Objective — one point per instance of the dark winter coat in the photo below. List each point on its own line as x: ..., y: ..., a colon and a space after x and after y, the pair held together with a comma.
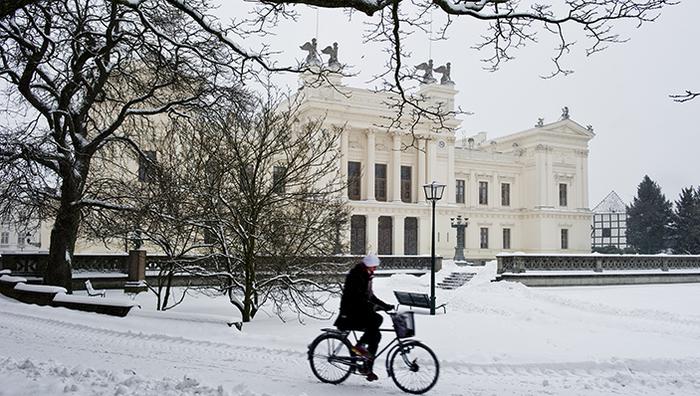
x: 358, y: 304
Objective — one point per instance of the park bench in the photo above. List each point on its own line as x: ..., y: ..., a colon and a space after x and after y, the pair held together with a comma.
x: 92, y: 292
x: 418, y: 300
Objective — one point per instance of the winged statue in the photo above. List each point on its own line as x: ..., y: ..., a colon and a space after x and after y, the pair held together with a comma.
x: 427, y: 68
x: 311, y: 57
x: 332, y: 52
x: 445, y: 71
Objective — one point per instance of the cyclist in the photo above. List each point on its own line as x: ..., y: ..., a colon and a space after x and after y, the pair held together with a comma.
x: 358, y: 307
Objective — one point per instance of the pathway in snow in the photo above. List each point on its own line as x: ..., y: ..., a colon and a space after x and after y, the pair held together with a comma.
x: 48, y: 351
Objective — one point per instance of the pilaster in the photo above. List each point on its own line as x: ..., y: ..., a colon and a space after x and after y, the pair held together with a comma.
x: 371, y: 147
x: 396, y: 168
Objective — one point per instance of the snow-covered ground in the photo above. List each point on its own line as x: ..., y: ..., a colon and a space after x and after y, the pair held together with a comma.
x: 496, y: 339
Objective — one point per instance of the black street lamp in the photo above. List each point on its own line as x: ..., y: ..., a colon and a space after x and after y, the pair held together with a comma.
x: 433, y: 193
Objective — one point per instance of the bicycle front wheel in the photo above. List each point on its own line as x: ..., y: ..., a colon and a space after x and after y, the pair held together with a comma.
x: 414, y: 367
x: 330, y: 358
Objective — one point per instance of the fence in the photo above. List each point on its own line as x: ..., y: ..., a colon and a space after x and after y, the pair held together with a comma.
x: 33, y: 264
x: 521, y: 262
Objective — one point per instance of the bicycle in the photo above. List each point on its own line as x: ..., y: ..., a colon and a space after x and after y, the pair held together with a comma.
x: 412, y: 366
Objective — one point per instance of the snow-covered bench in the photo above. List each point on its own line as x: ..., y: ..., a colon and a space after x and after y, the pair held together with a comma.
x: 107, y: 306
x: 92, y: 292
x: 418, y: 300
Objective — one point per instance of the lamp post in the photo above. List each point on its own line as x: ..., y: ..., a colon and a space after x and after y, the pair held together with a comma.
x: 433, y: 193
x: 460, y: 224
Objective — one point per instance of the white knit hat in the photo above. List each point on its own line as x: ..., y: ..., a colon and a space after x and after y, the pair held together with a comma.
x: 370, y: 260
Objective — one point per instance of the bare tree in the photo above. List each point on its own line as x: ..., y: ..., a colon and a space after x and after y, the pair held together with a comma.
x: 76, y: 73
x: 270, y: 196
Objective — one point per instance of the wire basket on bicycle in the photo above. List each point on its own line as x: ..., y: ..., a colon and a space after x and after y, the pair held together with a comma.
x: 404, y: 324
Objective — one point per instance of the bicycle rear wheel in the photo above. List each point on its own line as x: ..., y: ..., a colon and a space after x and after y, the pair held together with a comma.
x: 330, y: 358
x: 414, y: 367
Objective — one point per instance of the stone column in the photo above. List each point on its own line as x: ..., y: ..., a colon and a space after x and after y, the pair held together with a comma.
x: 584, y: 194
x: 451, y: 183
x: 369, y: 169
x: 372, y: 233
x: 398, y: 223
x: 495, y: 198
x: 552, y: 186
x: 473, y: 187
x: 344, y: 144
x: 396, y: 168
x: 541, y: 177
x: 430, y: 161
x: 420, y: 195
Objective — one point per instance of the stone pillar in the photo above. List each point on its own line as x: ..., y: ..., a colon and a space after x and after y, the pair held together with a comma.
x: 371, y: 145
x: 420, y: 195
x: 398, y: 223
x: 137, y: 265
x: 451, y: 183
x: 372, y: 233
x: 396, y: 168
x: 552, y: 186
x: 136, y: 282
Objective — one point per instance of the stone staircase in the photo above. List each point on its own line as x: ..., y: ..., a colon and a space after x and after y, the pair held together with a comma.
x: 455, y: 280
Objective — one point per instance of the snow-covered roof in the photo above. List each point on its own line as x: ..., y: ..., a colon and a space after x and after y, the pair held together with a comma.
x: 611, y: 204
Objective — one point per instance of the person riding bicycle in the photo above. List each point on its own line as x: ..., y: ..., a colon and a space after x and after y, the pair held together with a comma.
x: 358, y: 307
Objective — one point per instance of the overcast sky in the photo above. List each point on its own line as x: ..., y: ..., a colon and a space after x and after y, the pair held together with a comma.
x: 622, y: 92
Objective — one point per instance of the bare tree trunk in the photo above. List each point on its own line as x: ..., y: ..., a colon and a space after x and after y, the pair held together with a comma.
x: 63, y: 236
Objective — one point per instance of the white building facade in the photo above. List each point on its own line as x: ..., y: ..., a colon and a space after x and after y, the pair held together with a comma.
x: 526, y: 191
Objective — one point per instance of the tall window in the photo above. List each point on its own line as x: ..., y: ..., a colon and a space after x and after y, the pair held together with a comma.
x: 358, y: 234
x: 385, y: 237
x: 564, y: 238
x: 483, y: 193
x: 380, y: 182
x: 410, y: 235
x: 406, y: 184
x: 4, y: 238
x: 147, y: 167
x: 354, y: 180
x: 459, y: 192
x: 506, y: 238
x: 562, y: 194
x: 484, y: 234
x: 278, y: 179
x: 505, y: 194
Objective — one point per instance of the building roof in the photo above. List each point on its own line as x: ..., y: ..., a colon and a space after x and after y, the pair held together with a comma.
x: 611, y: 204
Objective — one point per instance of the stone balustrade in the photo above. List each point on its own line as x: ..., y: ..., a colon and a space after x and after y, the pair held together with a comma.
x: 523, y: 262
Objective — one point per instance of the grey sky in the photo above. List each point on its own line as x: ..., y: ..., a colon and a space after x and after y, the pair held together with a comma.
x: 622, y: 92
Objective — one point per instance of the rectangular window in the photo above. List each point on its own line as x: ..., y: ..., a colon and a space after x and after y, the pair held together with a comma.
x: 484, y: 234
x: 483, y: 193
x: 505, y: 194
x: 564, y: 239
x: 406, y: 184
x: 4, y: 238
x: 506, y: 238
x: 562, y: 194
x: 380, y: 182
x: 606, y: 232
x: 147, y: 164
x: 459, y: 192
x: 354, y: 180
x: 278, y: 179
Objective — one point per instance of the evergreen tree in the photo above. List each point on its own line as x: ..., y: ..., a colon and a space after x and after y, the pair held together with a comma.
x: 649, y: 219
x: 686, y: 222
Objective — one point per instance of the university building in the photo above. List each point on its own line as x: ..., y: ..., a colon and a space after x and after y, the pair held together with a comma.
x: 526, y: 191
